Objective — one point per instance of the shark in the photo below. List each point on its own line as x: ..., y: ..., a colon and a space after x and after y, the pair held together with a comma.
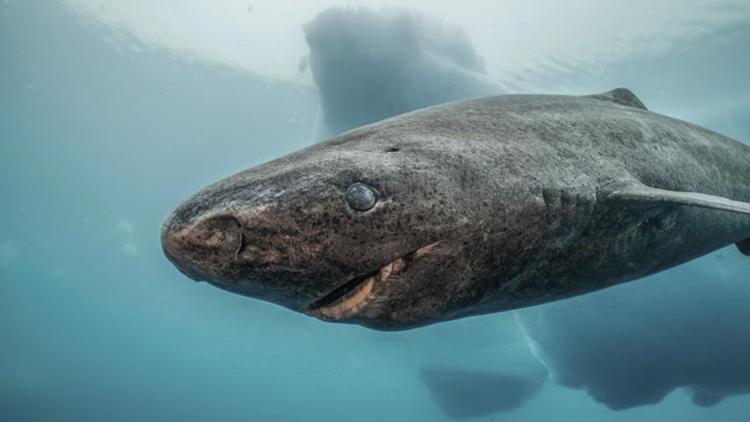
x: 469, y: 208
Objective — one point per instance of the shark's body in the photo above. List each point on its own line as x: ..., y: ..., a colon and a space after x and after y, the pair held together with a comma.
x: 481, y: 206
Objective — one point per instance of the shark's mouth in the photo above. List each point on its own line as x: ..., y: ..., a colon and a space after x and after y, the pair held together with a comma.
x: 352, y: 296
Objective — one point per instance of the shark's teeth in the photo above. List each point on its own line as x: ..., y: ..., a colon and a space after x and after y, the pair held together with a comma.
x: 358, y: 294
x: 392, y: 268
x: 385, y: 272
x: 351, y: 303
x: 398, y: 265
x: 356, y: 299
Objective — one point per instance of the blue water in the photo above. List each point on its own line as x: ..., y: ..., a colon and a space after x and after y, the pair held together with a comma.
x: 99, y: 143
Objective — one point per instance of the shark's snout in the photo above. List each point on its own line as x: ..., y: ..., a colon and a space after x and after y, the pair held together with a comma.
x: 203, y: 248
x: 241, y: 250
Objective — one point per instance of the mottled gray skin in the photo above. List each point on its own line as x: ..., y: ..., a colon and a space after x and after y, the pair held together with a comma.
x: 509, y: 192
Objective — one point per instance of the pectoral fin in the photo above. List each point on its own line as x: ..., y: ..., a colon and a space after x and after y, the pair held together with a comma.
x: 639, y: 193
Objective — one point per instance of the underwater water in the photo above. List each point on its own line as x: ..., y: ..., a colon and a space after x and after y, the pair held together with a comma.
x: 107, y: 125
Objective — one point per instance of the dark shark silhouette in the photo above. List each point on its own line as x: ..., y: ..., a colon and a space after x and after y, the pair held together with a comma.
x: 370, y: 65
x: 466, y: 394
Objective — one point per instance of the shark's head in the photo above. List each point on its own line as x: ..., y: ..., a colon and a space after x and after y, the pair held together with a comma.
x: 366, y: 228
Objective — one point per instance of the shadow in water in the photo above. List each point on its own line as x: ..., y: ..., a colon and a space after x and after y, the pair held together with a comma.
x: 465, y: 394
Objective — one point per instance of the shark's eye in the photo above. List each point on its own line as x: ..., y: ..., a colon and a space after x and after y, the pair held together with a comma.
x: 360, y: 197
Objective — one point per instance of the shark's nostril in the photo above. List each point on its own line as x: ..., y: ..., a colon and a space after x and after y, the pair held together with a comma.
x: 221, y: 233
x: 195, y: 248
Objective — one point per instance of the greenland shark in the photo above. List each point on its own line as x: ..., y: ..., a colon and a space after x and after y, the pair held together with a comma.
x: 469, y: 208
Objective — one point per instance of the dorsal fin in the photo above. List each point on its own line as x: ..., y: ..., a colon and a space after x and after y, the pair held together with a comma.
x: 622, y: 96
